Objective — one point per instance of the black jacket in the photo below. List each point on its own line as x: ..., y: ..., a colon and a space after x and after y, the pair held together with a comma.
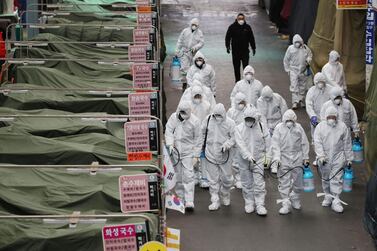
x: 240, y: 36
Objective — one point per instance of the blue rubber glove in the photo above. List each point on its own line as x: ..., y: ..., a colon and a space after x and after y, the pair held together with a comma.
x: 314, y: 120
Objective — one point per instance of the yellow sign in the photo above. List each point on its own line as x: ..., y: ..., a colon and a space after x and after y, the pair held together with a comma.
x: 153, y: 246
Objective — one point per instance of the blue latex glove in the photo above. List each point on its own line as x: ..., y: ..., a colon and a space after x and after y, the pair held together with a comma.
x: 314, y: 120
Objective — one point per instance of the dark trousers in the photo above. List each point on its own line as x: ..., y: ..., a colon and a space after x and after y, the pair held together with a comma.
x: 237, y: 59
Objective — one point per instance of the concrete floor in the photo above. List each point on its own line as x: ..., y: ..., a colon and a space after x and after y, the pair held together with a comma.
x: 230, y: 229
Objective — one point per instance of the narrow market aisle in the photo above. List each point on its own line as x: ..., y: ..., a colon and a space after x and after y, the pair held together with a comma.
x: 314, y: 227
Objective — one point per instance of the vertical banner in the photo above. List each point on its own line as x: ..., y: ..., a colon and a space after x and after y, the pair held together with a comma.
x: 173, y: 239
x: 351, y: 4
x: 369, y: 41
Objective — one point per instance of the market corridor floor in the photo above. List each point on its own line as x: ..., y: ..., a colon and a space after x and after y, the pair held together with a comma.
x: 230, y: 228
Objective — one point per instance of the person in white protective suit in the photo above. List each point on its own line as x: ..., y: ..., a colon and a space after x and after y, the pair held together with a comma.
x: 236, y: 114
x: 249, y: 86
x: 290, y: 150
x: 346, y: 110
x: 218, y: 138
x: 296, y: 60
x: 272, y: 106
x: 207, y: 93
x: 334, y: 71
x: 182, y: 136
x: 253, y: 140
x: 201, y: 109
x: 190, y: 41
x: 315, y: 98
x: 204, y: 71
x: 333, y: 147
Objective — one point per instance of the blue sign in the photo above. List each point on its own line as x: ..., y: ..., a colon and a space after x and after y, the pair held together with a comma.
x: 369, y: 34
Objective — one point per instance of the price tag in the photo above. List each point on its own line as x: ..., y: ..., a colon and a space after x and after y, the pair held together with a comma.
x: 143, y: 103
x: 128, y: 237
x: 141, y: 136
x: 138, y: 193
x: 145, y: 75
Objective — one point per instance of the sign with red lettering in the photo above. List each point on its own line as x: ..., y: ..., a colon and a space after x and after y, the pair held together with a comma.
x: 145, y: 75
x: 141, y: 136
x: 141, y: 36
x: 351, y: 4
x: 143, y: 103
x: 137, y: 53
x: 128, y: 237
x: 143, y: 2
x: 138, y: 193
x: 139, y: 156
x: 144, y: 19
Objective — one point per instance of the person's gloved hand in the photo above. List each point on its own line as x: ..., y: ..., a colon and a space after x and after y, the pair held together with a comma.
x: 308, y: 61
x: 321, y: 161
x: 306, y: 162
x: 226, y: 146
x: 228, y: 50
x: 195, y: 161
x: 193, y: 50
x: 314, y: 120
x: 267, y: 162
x: 176, y: 52
x: 254, y: 52
x: 277, y: 163
x: 252, y: 160
x: 357, y: 136
x: 349, y: 164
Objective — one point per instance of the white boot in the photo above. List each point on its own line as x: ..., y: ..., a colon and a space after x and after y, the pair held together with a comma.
x: 274, y: 169
x: 261, y: 210
x: 249, y: 207
x: 327, y: 201
x: 204, y: 183
x: 336, y: 206
x: 286, y: 208
x: 189, y: 206
x: 295, y: 200
x: 238, y: 184
x: 214, y: 206
x: 295, y: 106
x: 225, y: 200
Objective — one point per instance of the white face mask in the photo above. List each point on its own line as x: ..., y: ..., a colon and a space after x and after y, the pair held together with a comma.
x: 249, y: 124
x: 321, y: 85
x: 184, y: 116
x: 194, y: 27
x: 297, y: 44
x: 337, y: 101
x: 249, y: 77
x: 241, y: 22
x: 218, y: 118
x: 331, y: 122
x: 268, y: 99
x: 240, y: 106
x: 199, y: 63
x: 289, y: 124
x: 197, y: 101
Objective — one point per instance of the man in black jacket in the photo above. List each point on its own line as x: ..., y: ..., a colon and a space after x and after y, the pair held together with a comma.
x: 240, y: 36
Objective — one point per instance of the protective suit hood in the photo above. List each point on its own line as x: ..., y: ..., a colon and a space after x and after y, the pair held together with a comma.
x: 319, y: 77
x: 239, y: 98
x: 197, y: 89
x: 184, y: 106
x: 297, y: 38
x: 267, y: 92
x: 220, y: 109
x: 289, y: 115
x: 194, y: 21
x: 335, y: 92
x: 251, y: 112
x: 199, y: 55
x: 333, y: 56
x: 331, y: 111
x: 248, y: 69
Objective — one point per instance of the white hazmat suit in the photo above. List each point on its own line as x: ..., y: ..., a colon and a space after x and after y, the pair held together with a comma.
x: 253, y: 141
x: 346, y: 110
x: 249, y: 86
x: 207, y: 93
x: 272, y: 106
x: 218, y: 137
x: 203, y: 71
x: 333, y: 147
x: 334, y: 71
x: 315, y: 98
x: 297, y: 57
x: 189, y: 42
x: 182, y: 133
x: 290, y: 149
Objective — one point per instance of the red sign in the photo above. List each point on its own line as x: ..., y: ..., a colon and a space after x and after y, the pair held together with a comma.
x: 144, y: 19
x: 137, y: 53
x: 139, y: 156
x: 141, y: 36
x: 352, y: 4
x: 134, y: 193
x: 142, y: 75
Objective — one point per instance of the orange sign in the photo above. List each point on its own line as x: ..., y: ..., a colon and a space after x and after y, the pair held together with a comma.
x: 144, y: 9
x: 351, y: 4
x: 139, y: 156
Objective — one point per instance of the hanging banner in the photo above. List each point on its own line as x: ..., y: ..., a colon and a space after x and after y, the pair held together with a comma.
x: 170, y: 177
x: 145, y: 75
x: 128, y: 237
x: 143, y: 104
x: 351, y: 4
x: 369, y: 36
x: 138, y: 193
